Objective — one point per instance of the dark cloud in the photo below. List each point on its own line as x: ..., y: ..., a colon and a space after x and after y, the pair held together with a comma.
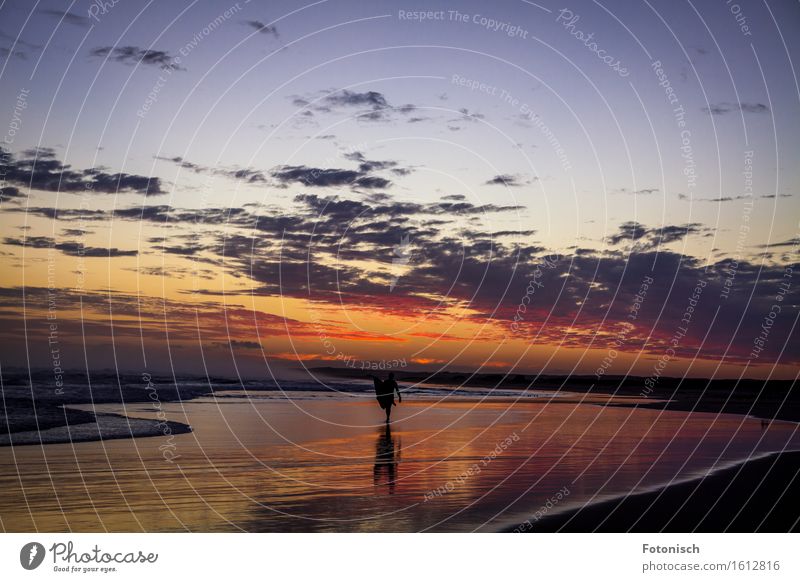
x: 504, y: 180
x: 792, y: 242
x: 347, y: 98
x: 647, y: 238
x: 74, y: 232
x: 732, y: 198
x: 250, y: 175
x: 465, y: 117
x: 366, y: 166
x: 725, y: 107
x: 244, y: 345
x: 628, y: 231
x: 160, y: 213
x: 331, y: 249
x: 186, y: 250
x: 370, y: 105
x: 75, y: 249
x: 40, y: 170
x: 61, y: 213
x: 134, y: 55
x: 19, y: 41
x: 156, y: 213
x: 327, y: 177
x: 6, y: 52
x: 513, y: 233
x: 68, y: 17
x: 640, y: 192
x: 262, y: 28
x: 668, y: 234
x: 10, y: 193
x: 79, y: 250
x: 174, y: 272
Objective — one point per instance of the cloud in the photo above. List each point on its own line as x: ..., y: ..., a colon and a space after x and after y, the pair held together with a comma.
x: 74, y: 232
x: 668, y: 234
x: 648, y: 238
x: 512, y: 233
x: 244, y: 345
x: 75, y: 249
x: 725, y: 107
x: 19, y: 41
x: 133, y: 55
x: 334, y: 251
x: 39, y: 169
x: 366, y: 166
x: 347, y: 98
x: 68, y: 17
x: 10, y: 193
x: 508, y: 180
x: 250, y: 175
x: 110, y: 317
x: 61, y: 213
x: 732, y: 198
x: 628, y: 231
x: 792, y: 242
x: 262, y: 28
x: 159, y: 214
x: 640, y: 192
x: 327, y: 178
x: 174, y: 272
x: 467, y: 115
x: 16, y: 54
x: 373, y: 105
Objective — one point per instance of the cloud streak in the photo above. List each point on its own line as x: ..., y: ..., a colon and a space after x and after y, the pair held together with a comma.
x: 725, y: 107
x: 39, y: 169
x: 134, y: 55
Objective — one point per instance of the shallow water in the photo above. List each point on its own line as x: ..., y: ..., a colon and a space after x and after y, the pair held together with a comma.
x: 322, y: 462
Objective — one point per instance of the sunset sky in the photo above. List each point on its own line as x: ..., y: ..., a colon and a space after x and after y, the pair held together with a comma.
x: 252, y: 187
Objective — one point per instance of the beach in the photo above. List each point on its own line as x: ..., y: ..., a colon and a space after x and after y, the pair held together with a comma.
x: 310, y: 460
x: 755, y: 496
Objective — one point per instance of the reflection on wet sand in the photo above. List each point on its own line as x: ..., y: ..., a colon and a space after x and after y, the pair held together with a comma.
x: 387, y: 456
x: 325, y: 465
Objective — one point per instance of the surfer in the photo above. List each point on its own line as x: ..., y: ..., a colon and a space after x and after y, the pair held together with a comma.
x: 384, y: 392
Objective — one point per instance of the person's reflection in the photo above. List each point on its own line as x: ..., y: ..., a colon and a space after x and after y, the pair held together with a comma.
x: 386, y: 458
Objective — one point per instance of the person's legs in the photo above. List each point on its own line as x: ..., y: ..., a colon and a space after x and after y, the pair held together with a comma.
x: 388, y: 412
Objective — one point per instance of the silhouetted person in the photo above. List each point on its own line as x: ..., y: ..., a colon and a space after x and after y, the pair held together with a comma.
x: 384, y: 392
x: 386, y: 457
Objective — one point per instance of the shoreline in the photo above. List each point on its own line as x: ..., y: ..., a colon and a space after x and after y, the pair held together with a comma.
x: 725, y: 500
x: 765, y: 399
x: 102, y: 427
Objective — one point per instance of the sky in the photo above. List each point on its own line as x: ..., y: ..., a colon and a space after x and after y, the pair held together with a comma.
x: 253, y: 188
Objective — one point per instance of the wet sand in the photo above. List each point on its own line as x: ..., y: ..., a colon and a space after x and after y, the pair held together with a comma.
x: 78, y: 426
x: 325, y: 462
x: 757, y: 496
